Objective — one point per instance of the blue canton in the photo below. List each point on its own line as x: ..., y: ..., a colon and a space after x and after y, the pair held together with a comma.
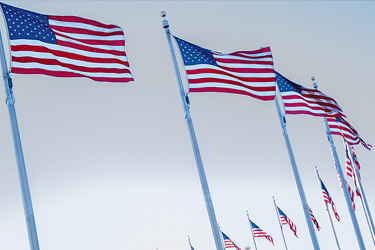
x: 287, y: 85
x: 193, y: 54
x: 23, y: 24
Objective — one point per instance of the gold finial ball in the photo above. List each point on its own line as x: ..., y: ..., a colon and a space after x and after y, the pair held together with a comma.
x: 312, y: 78
x: 163, y: 14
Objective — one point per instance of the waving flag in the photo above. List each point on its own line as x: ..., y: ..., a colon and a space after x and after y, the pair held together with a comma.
x: 66, y: 46
x: 328, y: 199
x: 340, y: 126
x: 243, y: 72
x: 260, y: 233
x: 314, y: 220
x: 300, y: 100
x: 286, y: 221
x: 229, y: 243
x: 350, y: 191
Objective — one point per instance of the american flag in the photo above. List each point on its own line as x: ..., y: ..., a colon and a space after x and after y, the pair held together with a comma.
x: 300, y: 100
x: 328, y: 199
x: 260, y: 233
x: 66, y: 46
x: 340, y: 126
x: 286, y: 221
x: 314, y: 220
x: 243, y: 72
x: 350, y: 191
x: 229, y: 244
x: 350, y: 171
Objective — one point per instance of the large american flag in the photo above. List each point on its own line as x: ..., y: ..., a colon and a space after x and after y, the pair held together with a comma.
x: 340, y: 126
x: 328, y: 199
x: 66, y: 46
x: 243, y: 72
x: 229, y: 244
x: 300, y: 100
x: 286, y: 221
x: 260, y: 233
x: 314, y: 220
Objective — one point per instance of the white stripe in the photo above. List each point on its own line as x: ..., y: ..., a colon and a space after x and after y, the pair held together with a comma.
x: 230, y: 86
x: 65, y: 49
x: 82, y: 26
x: 245, y: 66
x: 90, y: 37
x: 41, y: 55
x: 60, y: 68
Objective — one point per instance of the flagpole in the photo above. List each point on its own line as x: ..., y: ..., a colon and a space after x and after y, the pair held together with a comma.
x: 297, y: 177
x: 198, y: 159
x: 251, y: 229
x: 281, y: 226
x: 342, y: 177
x: 26, y: 196
x: 329, y: 215
x: 364, y: 200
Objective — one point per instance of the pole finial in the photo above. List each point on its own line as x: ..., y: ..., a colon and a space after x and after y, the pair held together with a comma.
x: 163, y: 14
x: 314, y: 83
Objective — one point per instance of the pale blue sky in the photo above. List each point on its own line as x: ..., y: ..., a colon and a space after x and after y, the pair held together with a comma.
x: 110, y: 166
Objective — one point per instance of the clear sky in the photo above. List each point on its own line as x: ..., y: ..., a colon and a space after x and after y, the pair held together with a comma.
x: 110, y: 166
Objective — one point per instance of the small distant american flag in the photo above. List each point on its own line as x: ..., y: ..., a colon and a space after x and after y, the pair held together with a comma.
x: 328, y: 199
x: 314, y: 220
x: 229, y: 244
x: 286, y: 221
x: 340, y: 126
x: 300, y: 100
x: 243, y: 72
x: 66, y: 46
x: 350, y: 191
x: 260, y: 233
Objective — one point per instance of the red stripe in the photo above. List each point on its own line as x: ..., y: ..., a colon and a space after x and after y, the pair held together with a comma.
x: 252, y: 52
x: 70, y: 66
x: 69, y: 74
x: 238, y: 61
x: 232, y: 91
x: 85, y: 31
x: 68, y: 55
x: 75, y: 19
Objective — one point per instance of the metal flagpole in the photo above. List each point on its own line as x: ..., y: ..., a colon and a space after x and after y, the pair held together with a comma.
x: 281, y: 226
x: 329, y: 215
x: 297, y: 177
x: 251, y: 229
x: 344, y: 186
x: 26, y: 197
x: 363, y: 198
x: 198, y: 159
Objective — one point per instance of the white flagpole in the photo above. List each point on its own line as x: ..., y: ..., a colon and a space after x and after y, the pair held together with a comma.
x: 297, y: 177
x: 198, y: 159
x: 342, y: 177
x: 251, y: 229
x: 363, y: 198
x: 26, y: 197
x: 329, y: 215
x: 281, y: 226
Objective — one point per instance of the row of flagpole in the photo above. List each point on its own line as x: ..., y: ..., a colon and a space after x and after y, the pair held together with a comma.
x: 28, y: 210
x: 210, y: 210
